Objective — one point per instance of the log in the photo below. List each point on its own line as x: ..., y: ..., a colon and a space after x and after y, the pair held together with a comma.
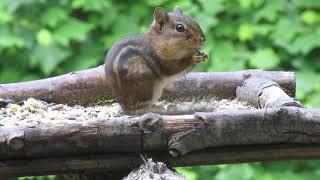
x: 123, y: 138
x: 116, y: 162
x: 89, y: 86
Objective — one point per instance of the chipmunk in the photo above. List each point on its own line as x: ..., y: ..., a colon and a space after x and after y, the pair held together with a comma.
x: 139, y: 66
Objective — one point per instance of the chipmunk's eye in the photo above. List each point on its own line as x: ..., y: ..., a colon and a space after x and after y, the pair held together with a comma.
x: 180, y: 28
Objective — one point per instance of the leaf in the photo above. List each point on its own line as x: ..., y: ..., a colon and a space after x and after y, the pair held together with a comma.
x: 270, y: 11
x: 5, y: 16
x: 250, y: 3
x: 263, y: 29
x: 309, y: 17
x: 54, y: 16
x: 241, y: 171
x: 13, y: 5
x: 90, y: 55
x: 10, y: 41
x: 206, y: 22
x: 306, y: 4
x: 73, y: 29
x: 6, y: 74
x: 307, y: 81
x: 246, y: 32
x: 227, y: 28
x: 48, y: 57
x: 107, y: 19
x: 283, y: 36
x: 44, y: 37
x: 187, y: 173
x: 89, y: 5
x: 224, y: 57
x: 211, y: 8
x: 314, y: 101
x: 311, y: 64
x: 264, y: 59
x: 306, y: 42
x: 125, y: 25
x: 155, y: 2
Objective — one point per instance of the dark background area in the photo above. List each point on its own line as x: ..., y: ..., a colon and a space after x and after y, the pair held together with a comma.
x: 43, y: 38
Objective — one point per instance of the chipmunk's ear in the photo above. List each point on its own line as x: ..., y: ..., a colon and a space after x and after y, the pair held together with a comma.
x: 178, y: 10
x: 160, y: 16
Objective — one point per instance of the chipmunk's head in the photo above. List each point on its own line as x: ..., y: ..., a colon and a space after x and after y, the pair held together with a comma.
x: 174, y: 34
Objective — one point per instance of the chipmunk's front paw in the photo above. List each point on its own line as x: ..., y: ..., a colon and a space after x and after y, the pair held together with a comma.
x: 199, y: 57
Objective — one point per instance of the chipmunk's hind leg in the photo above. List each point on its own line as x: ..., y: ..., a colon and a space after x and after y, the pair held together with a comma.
x: 136, y: 92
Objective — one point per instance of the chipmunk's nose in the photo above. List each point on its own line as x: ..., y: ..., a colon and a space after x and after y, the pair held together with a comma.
x: 201, y: 39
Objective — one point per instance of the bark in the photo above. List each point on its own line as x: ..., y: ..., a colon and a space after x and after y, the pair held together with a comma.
x: 58, y: 148
x: 265, y: 93
x: 89, y: 86
x: 116, y: 162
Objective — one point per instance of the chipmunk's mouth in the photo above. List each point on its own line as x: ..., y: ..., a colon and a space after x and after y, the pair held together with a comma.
x: 199, y: 46
x: 197, y: 49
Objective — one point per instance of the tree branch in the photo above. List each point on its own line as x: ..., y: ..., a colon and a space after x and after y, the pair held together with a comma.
x: 89, y: 86
x: 119, y: 162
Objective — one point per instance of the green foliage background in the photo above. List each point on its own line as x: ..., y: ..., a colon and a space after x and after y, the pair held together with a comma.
x: 41, y: 38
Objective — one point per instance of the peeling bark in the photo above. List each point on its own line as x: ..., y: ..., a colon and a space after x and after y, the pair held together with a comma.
x: 265, y: 93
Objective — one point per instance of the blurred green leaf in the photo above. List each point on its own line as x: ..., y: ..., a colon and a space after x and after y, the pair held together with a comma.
x: 309, y: 17
x: 8, y: 41
x: 73, y: 29
x: 54, y: 16
x: 308, y: 3
x: 306, y: 42
x: 205, y: 21
x: 245, y: 32
x: 44, y: 37
x: 307, y: 81
x: 239, y: 172
x: 314, y: 102
x: 48, y: 57
x: 5, y: 15
x: 250, y: 3
x: 264, y: 59
x: 188, y: 174
x: 212, y: 7
x: 125, y: 25
x: 13, y: 5
x: 89, y: 5
x: 270, y: 11
x: 283, y: 36
x: 155, y: 2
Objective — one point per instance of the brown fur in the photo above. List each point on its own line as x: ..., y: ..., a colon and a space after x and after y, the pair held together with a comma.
x: 139, y: 66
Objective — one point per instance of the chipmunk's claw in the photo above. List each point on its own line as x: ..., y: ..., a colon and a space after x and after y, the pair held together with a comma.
x: 199, y: 57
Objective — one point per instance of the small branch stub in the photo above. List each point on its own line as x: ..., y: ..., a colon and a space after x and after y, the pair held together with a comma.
x: 265, y: 93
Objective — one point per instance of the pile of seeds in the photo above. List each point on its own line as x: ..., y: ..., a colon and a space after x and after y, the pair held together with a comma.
x: 33, y: 112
